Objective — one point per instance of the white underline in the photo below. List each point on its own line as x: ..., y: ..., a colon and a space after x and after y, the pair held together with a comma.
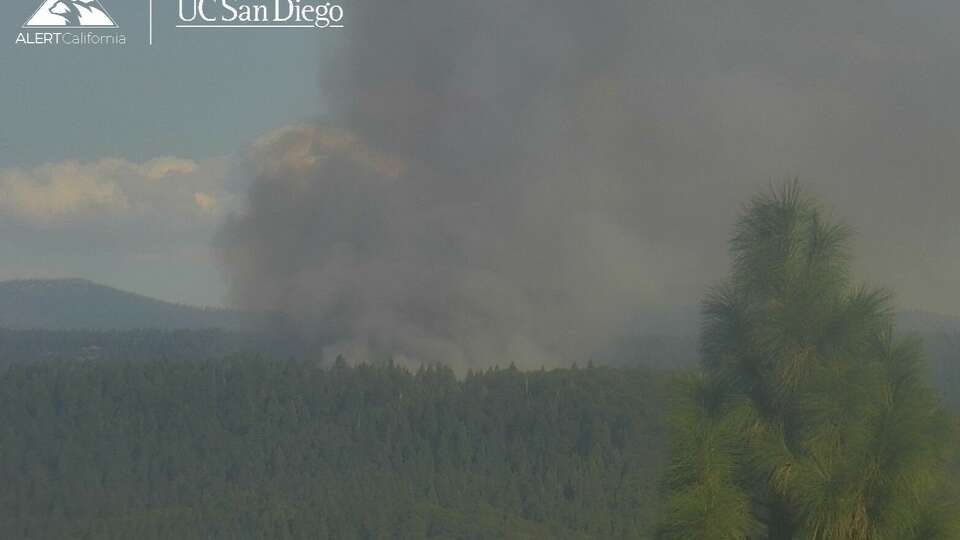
x: 257, y: 26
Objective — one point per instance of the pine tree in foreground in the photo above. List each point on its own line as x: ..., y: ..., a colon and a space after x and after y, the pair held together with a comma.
x: 810, y: 418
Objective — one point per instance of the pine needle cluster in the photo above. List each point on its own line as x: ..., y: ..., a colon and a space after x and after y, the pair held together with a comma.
x: 810, y: 418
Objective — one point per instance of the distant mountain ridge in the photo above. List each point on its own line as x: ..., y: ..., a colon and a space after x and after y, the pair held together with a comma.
x: 79, y: 304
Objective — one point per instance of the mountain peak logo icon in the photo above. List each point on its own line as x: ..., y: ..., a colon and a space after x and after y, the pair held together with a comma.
x: 70, y: 14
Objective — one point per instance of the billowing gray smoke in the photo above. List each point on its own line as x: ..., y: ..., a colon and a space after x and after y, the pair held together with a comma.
x: 524, y: 181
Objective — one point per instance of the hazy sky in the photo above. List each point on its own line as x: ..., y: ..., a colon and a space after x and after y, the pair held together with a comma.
x: 119, y: 164
x: 195, y: 96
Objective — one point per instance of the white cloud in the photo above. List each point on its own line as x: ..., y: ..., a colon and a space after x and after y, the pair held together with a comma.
x: 165, y: 190
x: 207, y: 203
x: 298, y: 149
x: 162, y: 167
x: 50, y: 192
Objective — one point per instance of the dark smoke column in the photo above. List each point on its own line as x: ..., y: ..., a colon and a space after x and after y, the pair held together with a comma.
x: 470, y: 202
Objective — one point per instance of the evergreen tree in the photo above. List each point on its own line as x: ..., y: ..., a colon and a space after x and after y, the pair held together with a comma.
x: 811, y: 418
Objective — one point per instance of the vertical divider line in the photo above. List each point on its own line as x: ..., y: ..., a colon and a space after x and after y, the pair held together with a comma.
x: 151, y: 22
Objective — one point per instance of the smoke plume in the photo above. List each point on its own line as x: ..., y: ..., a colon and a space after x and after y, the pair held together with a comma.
x: 525, y: 181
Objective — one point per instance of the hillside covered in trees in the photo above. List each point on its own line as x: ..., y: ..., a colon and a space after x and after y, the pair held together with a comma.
x: 811, y: 415
x: 79, y: 304
x: 251, y: 448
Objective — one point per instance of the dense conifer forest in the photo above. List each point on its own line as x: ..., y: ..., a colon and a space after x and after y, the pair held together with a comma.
x: 252, y: 448
x: 809, y: 416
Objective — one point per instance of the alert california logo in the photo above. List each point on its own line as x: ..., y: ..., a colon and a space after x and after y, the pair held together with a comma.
x: 70, y: 23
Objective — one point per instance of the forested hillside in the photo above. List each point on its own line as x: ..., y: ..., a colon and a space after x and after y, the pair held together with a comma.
x: 251, y: 448
x: 29, y: 346
x: 78, y: 304
x: 942, y: 350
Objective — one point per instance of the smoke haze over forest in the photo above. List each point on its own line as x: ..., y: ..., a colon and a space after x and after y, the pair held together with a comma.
x: 514, y: 181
